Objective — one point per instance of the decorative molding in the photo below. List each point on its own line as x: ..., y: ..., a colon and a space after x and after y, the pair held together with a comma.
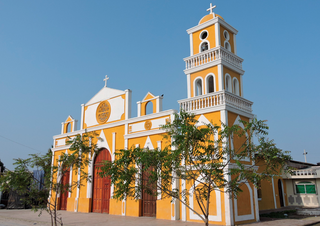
x: 191, y: 44
x: 211, y: 22
x: 207, y: 83
x: 247, y: 216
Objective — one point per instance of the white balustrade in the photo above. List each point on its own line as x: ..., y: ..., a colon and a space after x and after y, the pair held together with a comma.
x: 212, y: 55
x: 215, y: 99
x: 303, y: 172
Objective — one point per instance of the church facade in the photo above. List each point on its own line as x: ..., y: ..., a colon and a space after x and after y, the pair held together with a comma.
x: 215, y: 94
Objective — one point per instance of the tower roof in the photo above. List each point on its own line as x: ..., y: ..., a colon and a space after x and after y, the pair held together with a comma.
x: 209, y: 17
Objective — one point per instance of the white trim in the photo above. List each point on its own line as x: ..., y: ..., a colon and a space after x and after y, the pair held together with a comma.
x: 236, y: 91
x: 256, y: 203
x: 229, y: 84
x: 228, y: 202
x: 207, y: 83
x: 214, y: 63
x: 62, y: 127
x: 113, y: 157
x: 274, y: 194
x: 220, y: 77
x: 192, y: 215
x: 195, y: 88
x: 201, y: 34
x: 82, y: 116
x: 89, y: 183
x: 210, y: 22
x: 128, y: 103
x: 241, y: 85
x: 183, y: 206
x: 248, y: 216
x: 188, y: 86
x: 191, y: 44
x: 139, y: 108
x: 234, y: 44
x: 217, y: 34
x: 237, y: 122
x: 70, y: 181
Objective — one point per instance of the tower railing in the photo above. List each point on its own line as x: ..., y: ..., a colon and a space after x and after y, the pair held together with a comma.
x: 211, y: 55
x: 215, y: 99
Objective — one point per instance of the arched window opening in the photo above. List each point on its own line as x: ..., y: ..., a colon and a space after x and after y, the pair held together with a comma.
x: 149, y: 108
x: 204, y: 46
x: 236, y: 87
x: 228, y: 83
x: 198, y: 87
x: 210, y: 84
x: 68, y: 128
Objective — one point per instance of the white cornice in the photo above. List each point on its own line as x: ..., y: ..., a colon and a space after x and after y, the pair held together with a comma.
x: 115, y: 124
x: 211, y: 22
x: 60, y: 148
x: 212, y: 64
x: 144, y: 133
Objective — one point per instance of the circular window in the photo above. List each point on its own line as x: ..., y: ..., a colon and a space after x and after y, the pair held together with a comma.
x: 203, y: 35
x: 226, y: 35
x: 204, y: 46
x: 103, y: 112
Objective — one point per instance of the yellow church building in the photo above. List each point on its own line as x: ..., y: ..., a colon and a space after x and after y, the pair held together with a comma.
x: 215, y: 94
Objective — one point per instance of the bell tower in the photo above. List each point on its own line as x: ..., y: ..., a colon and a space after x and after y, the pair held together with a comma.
x: 213, y: 64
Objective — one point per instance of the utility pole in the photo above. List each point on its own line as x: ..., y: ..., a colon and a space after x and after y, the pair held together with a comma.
x: 305, y: 155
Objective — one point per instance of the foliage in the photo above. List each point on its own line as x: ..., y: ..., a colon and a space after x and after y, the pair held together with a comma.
x: 2, y: 167
x: 201, y: 154
x: 24, y: 182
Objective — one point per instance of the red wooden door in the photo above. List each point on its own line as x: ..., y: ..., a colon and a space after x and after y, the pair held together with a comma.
x: 64, y: 193
x: 101, y: 186
x: 148, y: 200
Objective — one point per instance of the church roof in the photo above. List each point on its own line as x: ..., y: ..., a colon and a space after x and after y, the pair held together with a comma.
x: 104, y: 94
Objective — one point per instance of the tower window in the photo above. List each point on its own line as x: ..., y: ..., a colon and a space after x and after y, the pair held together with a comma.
x: 228, y: 86
x: 204, y: 46
x: 198, y: 84
x: 210, y: 84
x: 226, y: 35
x: 204, y: 35
x: 227, y: 46
x: 235, y: 86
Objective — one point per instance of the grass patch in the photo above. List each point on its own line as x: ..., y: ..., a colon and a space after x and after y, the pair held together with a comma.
x: 282, y: 214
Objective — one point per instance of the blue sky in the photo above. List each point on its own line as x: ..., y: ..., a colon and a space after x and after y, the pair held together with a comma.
x: 55, y: 54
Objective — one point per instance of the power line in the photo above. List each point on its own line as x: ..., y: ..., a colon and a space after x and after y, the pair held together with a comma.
x: 19, y: 143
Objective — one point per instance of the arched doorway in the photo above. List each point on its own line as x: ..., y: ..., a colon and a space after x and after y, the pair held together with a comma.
x: 64, y: 192
x: 101, y: 186
x: 280, y: 192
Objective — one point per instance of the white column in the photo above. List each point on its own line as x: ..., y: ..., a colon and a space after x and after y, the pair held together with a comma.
x: 89, y: 183
x: 128, y: 103
x: 189, y: 85
x: 217, y: 31
x: 62, y: 127
x: 139, y: 108
x: 82, y: 115
x: 191, y: 45
x: 220, y: 77
x: 75, y: 124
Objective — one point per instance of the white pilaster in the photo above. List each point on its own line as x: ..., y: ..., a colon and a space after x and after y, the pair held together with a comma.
x: 189, y: 85
x: 241, y: 85
x: 274, y: 194
x: 82, y: 115
x: 113, y: 157
x: 256, y: 204
x: 235, y: 44
x: 191, y: 45
x: 217, y: 31
x: 220, y: 77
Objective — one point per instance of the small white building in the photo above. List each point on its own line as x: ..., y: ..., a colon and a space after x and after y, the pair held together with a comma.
x: 303, y: 184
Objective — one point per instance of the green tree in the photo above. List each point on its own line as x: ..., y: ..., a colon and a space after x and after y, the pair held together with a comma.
x: 2, y: 167
x: 24, y: 182
x: 201, y: 155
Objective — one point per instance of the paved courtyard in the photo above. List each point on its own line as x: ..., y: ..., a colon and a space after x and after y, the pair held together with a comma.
x: 28, y: 218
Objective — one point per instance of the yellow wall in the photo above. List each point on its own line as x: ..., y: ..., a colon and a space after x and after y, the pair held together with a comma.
x: 211, y: 38
x: 232, y: 74
x: 222, y: 38
x: 203, y: 75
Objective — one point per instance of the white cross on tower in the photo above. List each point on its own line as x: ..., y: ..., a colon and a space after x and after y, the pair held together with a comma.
x: 211, y: 8
x: 106, y: 80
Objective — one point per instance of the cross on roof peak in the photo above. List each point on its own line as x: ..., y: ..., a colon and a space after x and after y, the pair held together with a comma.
x: 211, y: 8
x: 106, y: 80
